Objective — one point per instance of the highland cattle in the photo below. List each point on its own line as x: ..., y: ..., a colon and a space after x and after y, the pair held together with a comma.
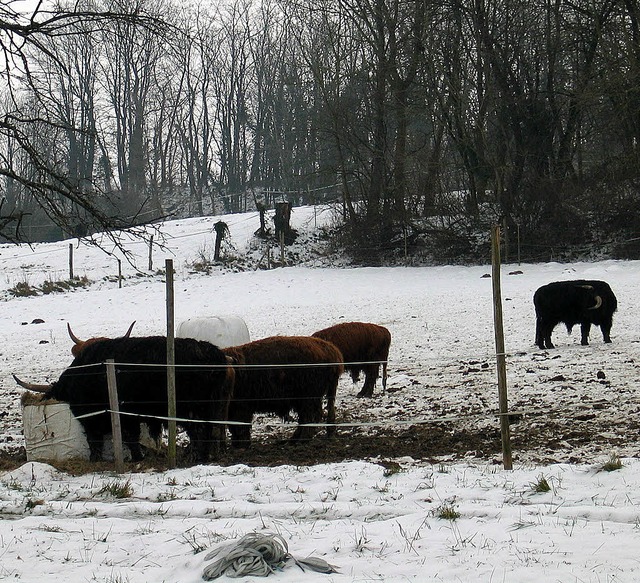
x: 581, y: 301
x: 279, y: 375
x: 364, y: 348
x: 203, y: 391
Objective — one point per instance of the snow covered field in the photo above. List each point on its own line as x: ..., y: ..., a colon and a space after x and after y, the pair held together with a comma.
x: 380, y: 519
x: 371, y: 526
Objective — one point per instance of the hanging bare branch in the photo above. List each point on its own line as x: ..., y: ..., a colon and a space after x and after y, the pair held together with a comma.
x: 44, y: 181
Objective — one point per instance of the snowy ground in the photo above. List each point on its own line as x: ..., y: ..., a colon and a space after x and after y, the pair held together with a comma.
x: 372, y: 525
x: 374, y: 521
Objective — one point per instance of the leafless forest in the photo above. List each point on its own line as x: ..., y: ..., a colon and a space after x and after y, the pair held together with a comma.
x: 422, y: 119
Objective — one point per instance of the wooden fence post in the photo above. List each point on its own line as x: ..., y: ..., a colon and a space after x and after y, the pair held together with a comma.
x: 281, y: 221
x: 171, y: 370
x: 505, y: 237
x: 222, y: 230
x: 404, y: 234
x: 282, y: 249
x: 151, y: 253
x: 500, y: 355
x: 116, y: 430
x: 70, y: 260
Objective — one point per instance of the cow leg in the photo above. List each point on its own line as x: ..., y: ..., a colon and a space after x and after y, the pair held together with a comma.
x: 547, y: 340
x: 136, y: 451
x: 370, y: 377
x: 218, y: 440
x: 199, y: 445
x: 585, y: 328
x: 131, y: 438
x: 543, y: 334
x: 241, y: 434
x: 221, y: 413
x: 331, y: 411
x: 548, y: 329
x: 199, y: 441
x: 134, y: 447
x: 539, y: 334
x: 311, y: 413
x: 96, y: 443
x: 606, y: 330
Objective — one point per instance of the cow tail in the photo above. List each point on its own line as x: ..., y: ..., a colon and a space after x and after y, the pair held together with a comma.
x: 384, y: 375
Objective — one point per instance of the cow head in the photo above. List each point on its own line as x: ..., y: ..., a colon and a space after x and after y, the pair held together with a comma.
x: 79, y: 345
x: 596, y: 298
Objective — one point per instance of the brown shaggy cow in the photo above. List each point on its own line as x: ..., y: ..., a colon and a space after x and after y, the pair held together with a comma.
x: 280, y: 374
x: 80, y: 345
x: 364, y: 347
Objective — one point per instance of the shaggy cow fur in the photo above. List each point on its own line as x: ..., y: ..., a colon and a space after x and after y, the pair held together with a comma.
x: 580, y: 301
x: 363, y: 346
x: 202, y: 392
x: 266, y: 384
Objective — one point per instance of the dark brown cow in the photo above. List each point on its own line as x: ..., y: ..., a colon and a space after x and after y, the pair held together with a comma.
x: 281, y: 374
x: 364, y: 347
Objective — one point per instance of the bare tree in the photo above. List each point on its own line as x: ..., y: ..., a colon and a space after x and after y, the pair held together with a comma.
x: 230, y: 89
x: 65, y: 81
x: 367, y: 57
x: 23, y: 163
x: 330, y: 49
x: 197, y: 61
x: 131, y: 55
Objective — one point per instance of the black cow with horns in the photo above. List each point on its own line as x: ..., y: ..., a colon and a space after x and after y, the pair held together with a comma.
x: 581, y: 301
x: 203, y: 391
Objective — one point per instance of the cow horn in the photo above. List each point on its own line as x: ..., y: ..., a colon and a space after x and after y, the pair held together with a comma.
x: 73, y: 336
x: 129, y: 330
x: 598, y: 303
x: 32, y: 386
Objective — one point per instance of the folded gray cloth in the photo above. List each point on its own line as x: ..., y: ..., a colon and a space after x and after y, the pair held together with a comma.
x: 258, y: 555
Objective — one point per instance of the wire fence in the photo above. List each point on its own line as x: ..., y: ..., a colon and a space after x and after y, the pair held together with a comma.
x: 438, y: 417
x: 490, y: 415
x: 141, y: 263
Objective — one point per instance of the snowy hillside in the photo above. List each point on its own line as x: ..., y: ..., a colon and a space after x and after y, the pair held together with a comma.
x: 372, y: 501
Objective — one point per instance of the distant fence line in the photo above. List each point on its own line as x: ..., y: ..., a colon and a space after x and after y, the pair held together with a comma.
x: 543, y: 251
x: 65, y: 245
x: 227, y: 203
